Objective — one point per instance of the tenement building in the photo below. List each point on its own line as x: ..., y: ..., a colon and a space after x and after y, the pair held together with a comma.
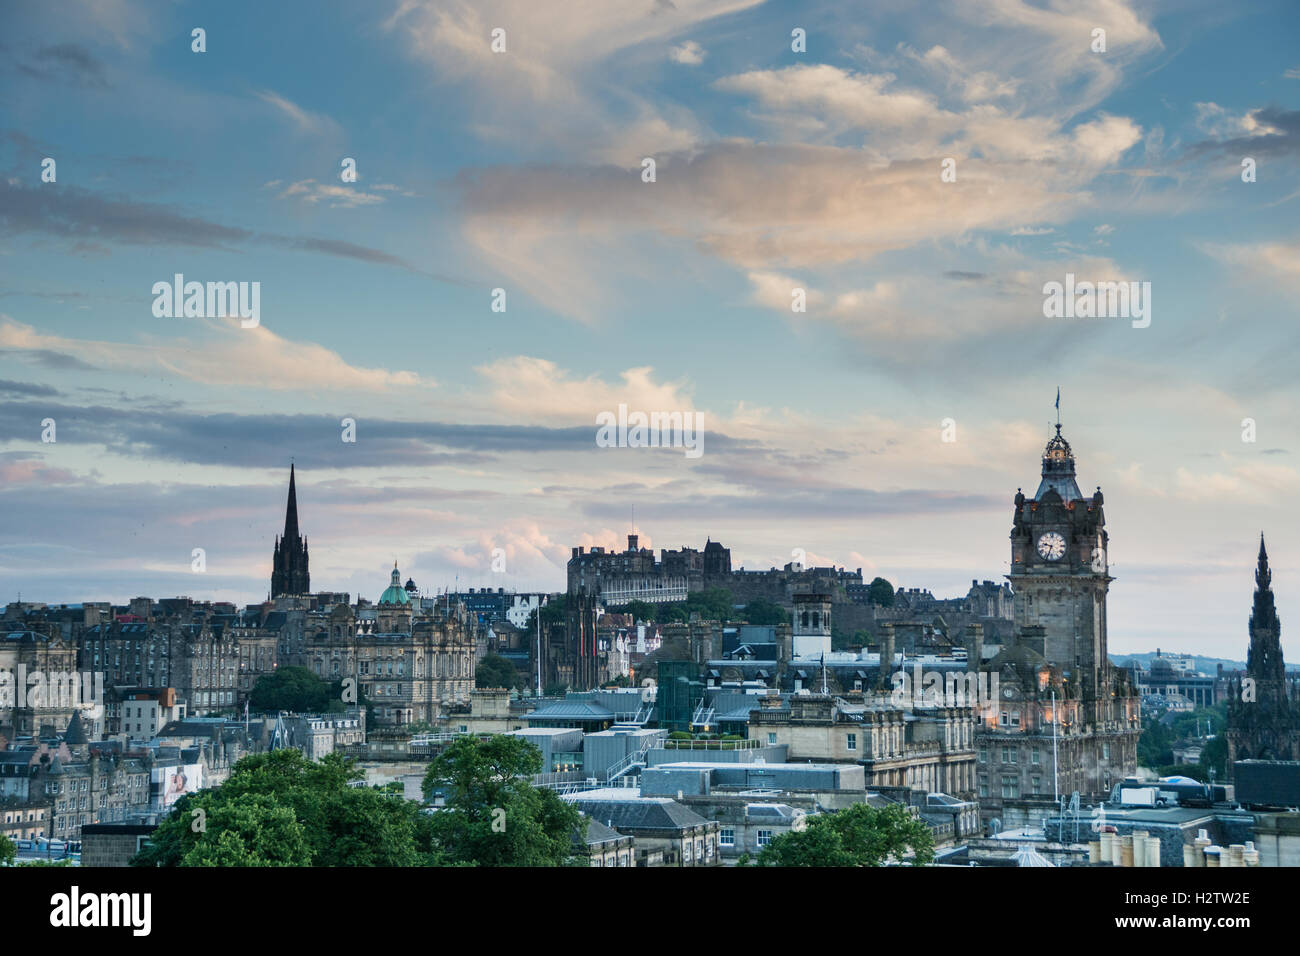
x: 1264, y: 706
x: 1056, y: 680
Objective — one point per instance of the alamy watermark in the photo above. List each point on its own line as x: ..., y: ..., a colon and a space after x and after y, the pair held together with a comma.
x: 24, y: 688
x: 927, y: 689
x: 651, y: 430
x: 1098, y: 300
x: 195, y: 300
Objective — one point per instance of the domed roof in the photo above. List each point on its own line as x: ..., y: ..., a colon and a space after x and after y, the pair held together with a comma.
x: 395, y: 593
x: 1058, y: 470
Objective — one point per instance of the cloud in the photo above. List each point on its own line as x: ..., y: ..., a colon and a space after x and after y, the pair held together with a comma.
x: 77, y: 215
x: 310, y: 191
x: 70, y: 62
x: 538, y: 389
x: 316, y: 124
x: 689, y: 53
x: 1277, y: 260
x: 552, y: 92
x: 219, y: 352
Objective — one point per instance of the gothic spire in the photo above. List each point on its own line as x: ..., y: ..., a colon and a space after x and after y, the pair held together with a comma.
x: 1264, y: 660
x: 291, y: 511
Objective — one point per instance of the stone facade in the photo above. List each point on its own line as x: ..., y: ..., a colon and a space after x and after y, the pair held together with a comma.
x: 1055, y: 678
x: 1264, y: 706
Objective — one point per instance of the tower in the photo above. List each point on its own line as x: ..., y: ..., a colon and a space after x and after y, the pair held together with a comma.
x: 1059, y: 570
x: 289, y: 563
x: 1263, y: 712
x: 812, y: 625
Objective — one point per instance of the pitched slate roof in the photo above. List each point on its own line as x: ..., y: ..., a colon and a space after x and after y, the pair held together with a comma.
x: 641, y: 813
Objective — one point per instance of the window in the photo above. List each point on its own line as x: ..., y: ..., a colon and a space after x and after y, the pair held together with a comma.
x: 1003, y: 719
x: 1038, y: 784
x: 764, y: 837
x: 1105, y: 751
x: 771, y: 738
x: 984, y: 755
x: 1015, y: 718
x: 1033, y: 756
x: 1010, y: 788
x: 727, y: 836
x: 686, y: 851
x: 851, y: 741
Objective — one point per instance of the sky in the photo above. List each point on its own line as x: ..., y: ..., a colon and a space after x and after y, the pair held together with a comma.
x: 522, y: 170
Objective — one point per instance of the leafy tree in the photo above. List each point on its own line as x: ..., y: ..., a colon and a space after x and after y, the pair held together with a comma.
x: 8, y: 852
x: 640, y: 610
x: 861, y: 835
x: 881, y: 592
x: 1214, y: 756
x: 336, y: 823
x: 495, y: 671
x: 293, y: 688
x: 555, y: 690
x: 1156, y: 745
x: 255, y: 831
x: 493, y: 815
x: 761, y: 611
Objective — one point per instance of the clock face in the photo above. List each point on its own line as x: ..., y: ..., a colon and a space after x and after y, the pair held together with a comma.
x: 1051, y: 546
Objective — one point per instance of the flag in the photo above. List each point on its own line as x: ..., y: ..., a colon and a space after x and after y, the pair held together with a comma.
x: 1058, y: 398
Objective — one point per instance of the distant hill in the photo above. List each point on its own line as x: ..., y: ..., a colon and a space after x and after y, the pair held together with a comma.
x: 1206, y: 665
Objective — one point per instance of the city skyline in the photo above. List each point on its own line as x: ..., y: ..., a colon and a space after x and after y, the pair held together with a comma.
x: 776, y: 169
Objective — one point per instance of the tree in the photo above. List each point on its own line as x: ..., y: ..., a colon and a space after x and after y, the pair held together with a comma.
x: 881, y: 592
x: 640, y: 610
x: 861, y: 835
x: 1214, y: 756
x: 256, y: 831
x: 279, y: 809
x: 495, y: 671
x: 762, y: 611
x: 8, y: 852
x: 293, y: 688
x: 493, y: 815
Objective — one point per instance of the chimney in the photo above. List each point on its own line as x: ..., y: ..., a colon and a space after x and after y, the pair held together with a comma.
x: 974, y: 642
x: 886, y: 654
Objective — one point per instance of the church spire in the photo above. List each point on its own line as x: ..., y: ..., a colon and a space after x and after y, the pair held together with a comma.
x: 291, y: 511
x: 289, y: 574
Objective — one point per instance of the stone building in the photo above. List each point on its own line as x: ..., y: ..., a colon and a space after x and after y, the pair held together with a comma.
x: 1264, y: 706
x: 410, y: 666
x: 40, y: 687
x: 199, y: 659
x: 1060, y: 578
x: 929, y: 750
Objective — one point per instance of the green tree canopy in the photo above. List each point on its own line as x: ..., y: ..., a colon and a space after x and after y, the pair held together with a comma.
x: 761, y: 611
x: 493, y: 815
x: 8, y: 852
x: 861, y: 835
x: 296, y: 689
x: 495, y: 671
x: 881, y: 592
x: 280, y: 809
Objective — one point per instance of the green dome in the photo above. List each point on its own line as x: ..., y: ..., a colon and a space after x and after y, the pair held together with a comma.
x: 395, y: 593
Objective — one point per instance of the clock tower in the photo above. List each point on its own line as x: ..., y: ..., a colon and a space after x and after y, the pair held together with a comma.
x: 1059, y: 571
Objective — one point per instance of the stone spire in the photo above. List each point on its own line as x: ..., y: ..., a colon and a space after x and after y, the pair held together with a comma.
x: 1264, y: 659
x: 289, y: 567
x: 291, y: 511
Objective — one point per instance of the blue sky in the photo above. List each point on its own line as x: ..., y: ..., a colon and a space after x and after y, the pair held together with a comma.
x: 522, y: 170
